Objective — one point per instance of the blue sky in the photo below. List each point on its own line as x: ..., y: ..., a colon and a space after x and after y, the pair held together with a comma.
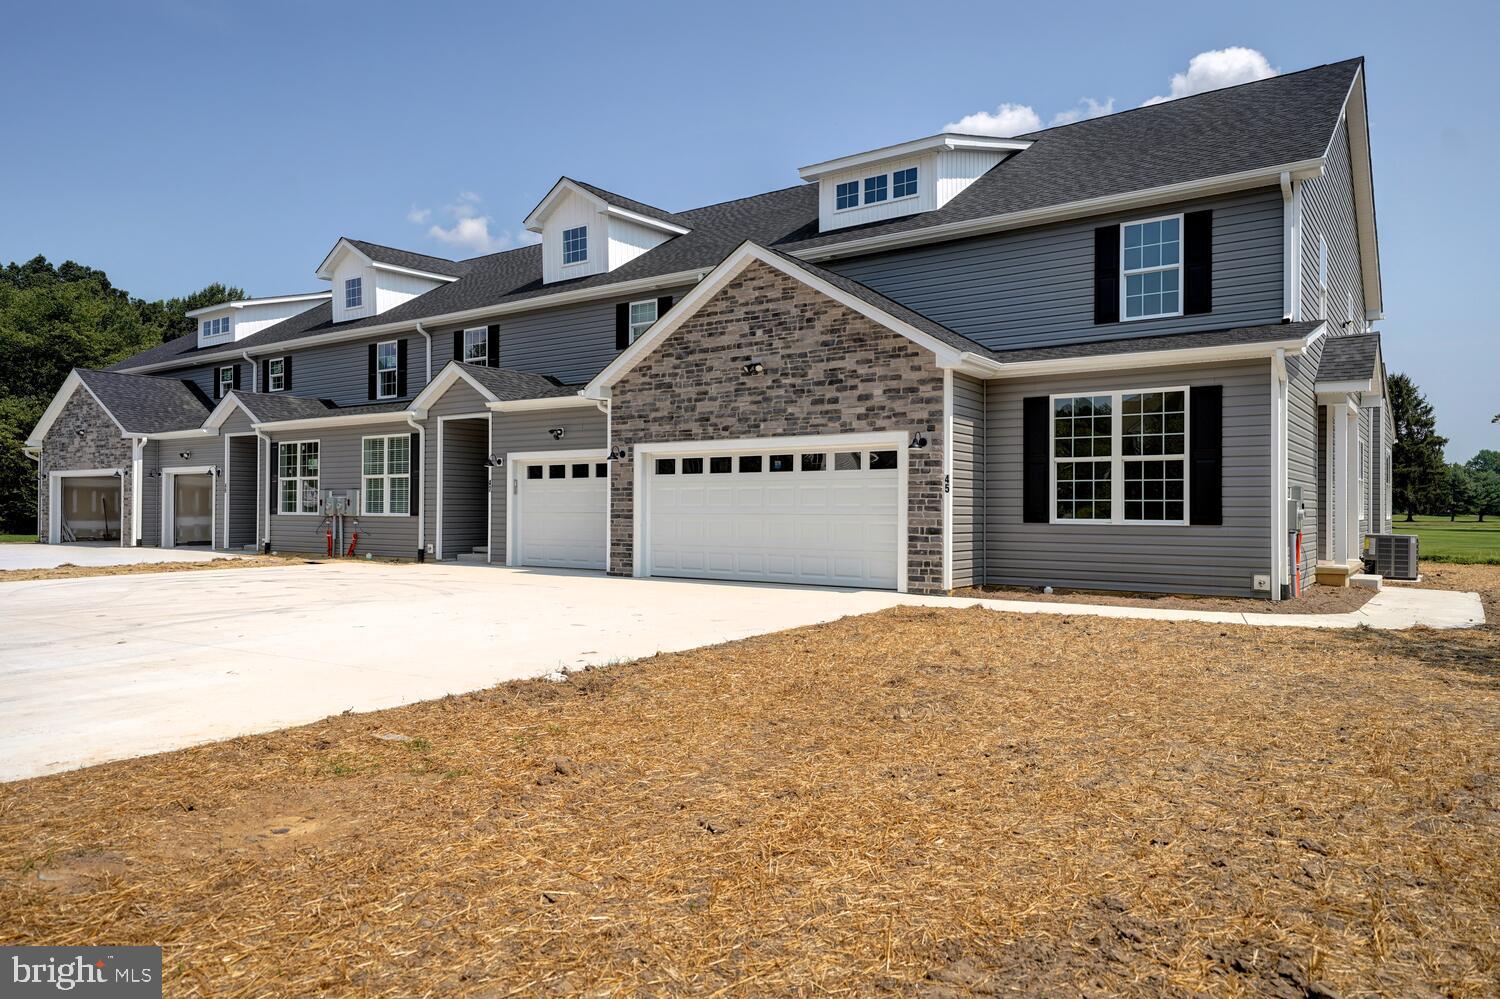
x: 178, y: 143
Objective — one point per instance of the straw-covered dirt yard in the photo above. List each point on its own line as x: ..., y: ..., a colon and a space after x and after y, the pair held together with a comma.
x: 918, y: 802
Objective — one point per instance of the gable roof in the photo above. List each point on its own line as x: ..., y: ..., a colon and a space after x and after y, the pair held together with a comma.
x: 648, y: 214
x: 495, y: 384
x: 390, y: 256
x: 1227, y: 139
x: 1353, y: 358
x: 138, y: 404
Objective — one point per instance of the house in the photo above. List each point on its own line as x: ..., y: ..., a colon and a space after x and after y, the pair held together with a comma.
x: 1134, y: 352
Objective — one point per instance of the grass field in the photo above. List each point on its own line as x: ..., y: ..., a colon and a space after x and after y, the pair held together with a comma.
x: 1464, y: 540
x: 17, y: 539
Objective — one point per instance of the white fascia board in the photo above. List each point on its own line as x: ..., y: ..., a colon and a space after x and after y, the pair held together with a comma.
x: 620, y: 290
x: 537, y: 217
x: 226, y: 406
x: 1150, y: 359
x: 1264, y: 177
x: 943, y: 140
x: 326, y: 268
x: 54, y: 409
x: 172, y: 435
x: 347, y: 420
x: 732, y: 265
x: 645, y: 220
x: 550, y: 402
x: 311, y: 296
x: 452, y: 372
x: 1362, y: 177
x: 413, y: 272
x: 1339, y: 389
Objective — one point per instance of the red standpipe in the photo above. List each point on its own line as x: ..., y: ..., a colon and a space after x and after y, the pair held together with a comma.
x: 330, y: 542
x: 352, y: 542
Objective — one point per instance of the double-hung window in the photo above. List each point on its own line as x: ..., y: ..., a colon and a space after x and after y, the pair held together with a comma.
x: 575, y: 245
x: 226, y: 380
x: 298, y: 467
x: 385, y: 464
x: 354, y: 292
x: 477, y: 346
x: 642, y: 315
x: 276, y: 374
x: 1151, y: 265
x: 385, y: 370
x: 1120, y: 457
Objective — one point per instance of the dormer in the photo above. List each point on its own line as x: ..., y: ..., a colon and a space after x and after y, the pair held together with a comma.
x: 369, y: 279
x: 586, y: 230
x: 229, y: 322
x: 917, y: 176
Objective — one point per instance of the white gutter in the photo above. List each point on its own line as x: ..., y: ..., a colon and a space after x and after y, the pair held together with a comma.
x: 428, y: 337
x: 347, y: 419
x: 1147, y: 359
x: 253, y: 376
x: 411, y: 421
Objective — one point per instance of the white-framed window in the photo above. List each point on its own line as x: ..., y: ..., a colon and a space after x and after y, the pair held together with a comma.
x: 904, y: 183
x: 477, y: 346
x: 297, y: 481
x: 354, y: 292
x: 386, y: 380
x: 385, y: 466
x: 1151, y: 268
x: 209, y: 328
x: 642, y: 315
x: 1322, y: 277
x: 1120, y: 457
x: 846, y: 195
x: 276, y: 374
x: 226, y: 380
x: 575, y: 244
x: 876, y: 188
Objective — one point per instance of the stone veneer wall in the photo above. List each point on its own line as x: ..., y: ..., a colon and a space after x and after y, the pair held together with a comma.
x: 828, y: 370
x: 100, y: 446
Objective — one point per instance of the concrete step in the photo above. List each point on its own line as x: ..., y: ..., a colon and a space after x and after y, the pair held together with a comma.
x: 472, y: 558
x: 1365, y: 580
x: 481, y: 549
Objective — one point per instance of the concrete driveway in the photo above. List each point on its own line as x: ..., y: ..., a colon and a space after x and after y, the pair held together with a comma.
x: 34, y: 556
x: 111, y: 667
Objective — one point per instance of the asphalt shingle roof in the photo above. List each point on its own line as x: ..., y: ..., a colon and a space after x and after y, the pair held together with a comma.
x: 409, y: 259
x: 1282, y: 120
x: 509, y: 385
x: 147, y: 404
x: 1230, y: 337
x: 1349, y: 358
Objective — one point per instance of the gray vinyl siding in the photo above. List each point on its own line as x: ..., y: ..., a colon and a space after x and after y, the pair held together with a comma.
x: 465, y: 482
x: 967, y: 481
x: 339, y: 468
x: 1034, y: 287
x: 1328, y: 211
x: 340, y: 371
x: 241, y: 486
x: 151, y: 494
x: 1365, y: 478
x: 512, y: 432
x: 201, y: 451
x: 1304, y: 459
x: 1207, y: 559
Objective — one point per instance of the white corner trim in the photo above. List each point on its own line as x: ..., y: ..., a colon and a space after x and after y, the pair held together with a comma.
x: 168, y: 502
x: 947, y: 432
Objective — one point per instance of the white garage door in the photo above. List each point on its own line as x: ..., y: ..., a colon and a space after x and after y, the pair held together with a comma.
x: 825, y: 517
x: 562, y: 513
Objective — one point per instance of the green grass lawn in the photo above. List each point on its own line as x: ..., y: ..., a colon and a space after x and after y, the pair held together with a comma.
x: 13, y: 539
x: 1461, y: 540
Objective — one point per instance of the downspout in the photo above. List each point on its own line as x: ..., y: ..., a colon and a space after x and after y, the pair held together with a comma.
x: 262, y: 498
x: 428, y: 337
x: 411, y: 421
x: 137, y: 487
x: 35, y: 454
x: 254, y: 375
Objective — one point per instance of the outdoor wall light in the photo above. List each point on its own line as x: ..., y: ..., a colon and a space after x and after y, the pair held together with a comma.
x: 558, y: 433
x: 755, y: 368
x: 80, y: 433
x: 618, y: 453
x: 496, y: 461
x: 184, y: 455
x: 918, y: 441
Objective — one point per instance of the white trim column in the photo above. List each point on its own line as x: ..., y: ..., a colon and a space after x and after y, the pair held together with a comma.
x: 1343, y: 503
x: 1352, y: 455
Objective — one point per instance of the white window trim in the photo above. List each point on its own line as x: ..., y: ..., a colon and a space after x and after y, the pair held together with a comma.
x: 386, y: 477
x: 484, y: 341
x: 1117, y: 460
x: 1178, y: 267
x: 220, y: 325
x: 299, y: 512
x: 395, y: 370
x: 563, y: 246
x: 361, y: 303
x: 890, y: 185
x: 272, y: 375
x: 630, y: 311
x: 224, y: 389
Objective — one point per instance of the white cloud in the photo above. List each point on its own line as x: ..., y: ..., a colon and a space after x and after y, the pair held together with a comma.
x: 1005, y: 120
x: 470, y: 229
x: 1087, y: 108
x: 418, y: 215
x: 1215, y: 69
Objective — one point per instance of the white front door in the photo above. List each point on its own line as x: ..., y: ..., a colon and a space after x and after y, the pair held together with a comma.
x: 563, y: 506
x: 819, y: 516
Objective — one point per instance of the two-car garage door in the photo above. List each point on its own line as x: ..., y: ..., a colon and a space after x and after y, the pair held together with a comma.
x: 820, y: 515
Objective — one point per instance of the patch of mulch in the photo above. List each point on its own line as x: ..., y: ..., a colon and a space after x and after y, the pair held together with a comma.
x: 1315, y: 599
x: 934, y: 802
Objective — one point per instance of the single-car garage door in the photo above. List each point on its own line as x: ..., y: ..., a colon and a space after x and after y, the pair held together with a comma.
x: 827, y: 517
x: 562, y: 510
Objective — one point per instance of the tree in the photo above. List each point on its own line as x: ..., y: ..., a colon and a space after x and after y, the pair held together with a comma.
x: 54, y: 319
x: 1486, y: 493
x: 1417, y: 452
x: 1484, y: 461
x: 1458, y: 494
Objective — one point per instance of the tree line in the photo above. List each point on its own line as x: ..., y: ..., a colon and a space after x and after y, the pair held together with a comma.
x: 1422, y: 480
x: 54, y: 318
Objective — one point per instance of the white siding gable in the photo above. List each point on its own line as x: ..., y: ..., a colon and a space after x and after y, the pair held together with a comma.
x: 249, y: 316
x: 392, y: 288
x: 352, y: 265
x: 612, y: 240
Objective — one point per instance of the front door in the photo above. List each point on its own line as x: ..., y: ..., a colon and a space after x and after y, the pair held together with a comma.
x: 192, y: 509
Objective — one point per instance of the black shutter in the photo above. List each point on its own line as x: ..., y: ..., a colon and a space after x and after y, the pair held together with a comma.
x: 272, y: 466
x: 1198, y: 263
x: 1036, y: 424
x: 458, y: 345
x: 1206, y: 454
x: 400, y: 368
x: 662, y: 305
x: 492, y: 346
x: 1107, y: 274
x: 622, y: 326
x: 372, y: 373
x: 265, y: 375
x: 218, y: 383
x: 236, y: 382
x: 415, y: 457
x: 286, y: 373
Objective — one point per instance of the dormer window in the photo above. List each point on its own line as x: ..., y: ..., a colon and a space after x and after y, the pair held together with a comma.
x: 904, y: 183
x: 848, y: 195
x: 575, y: 243
x: 354, y: 292
x: 875, y: 189
x: 211, y: 328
